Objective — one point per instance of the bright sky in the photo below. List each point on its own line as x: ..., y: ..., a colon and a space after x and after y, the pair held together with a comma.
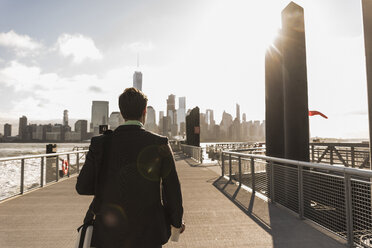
x: 57, y: 55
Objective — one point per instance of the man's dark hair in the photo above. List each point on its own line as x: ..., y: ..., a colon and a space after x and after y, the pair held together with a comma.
x: 132, y: 102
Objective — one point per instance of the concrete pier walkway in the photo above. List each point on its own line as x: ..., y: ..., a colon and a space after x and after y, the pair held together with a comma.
x: 217, y: 214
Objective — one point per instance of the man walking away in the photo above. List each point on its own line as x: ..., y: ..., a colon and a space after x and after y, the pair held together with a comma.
x: 131, y: 172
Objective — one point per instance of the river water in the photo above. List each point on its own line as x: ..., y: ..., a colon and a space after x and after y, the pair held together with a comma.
x: 10, y: 171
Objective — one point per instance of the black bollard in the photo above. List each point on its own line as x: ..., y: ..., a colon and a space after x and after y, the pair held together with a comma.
x: 50, y: 168
x: 193, y: 127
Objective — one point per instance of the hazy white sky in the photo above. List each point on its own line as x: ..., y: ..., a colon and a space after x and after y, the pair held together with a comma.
x: 57, y: 55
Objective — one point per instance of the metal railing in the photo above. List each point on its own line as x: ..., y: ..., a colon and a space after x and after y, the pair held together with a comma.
x: 23, y: 173
x: 347, y: 154
x: 175, y: 145
x: 354, y: 155
x: 194, y: 152
x: 333, y: 196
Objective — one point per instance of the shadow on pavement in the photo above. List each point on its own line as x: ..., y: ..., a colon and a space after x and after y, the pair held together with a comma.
x: 286, y: 229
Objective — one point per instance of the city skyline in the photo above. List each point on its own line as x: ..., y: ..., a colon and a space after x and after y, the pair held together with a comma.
x: 202, y: 55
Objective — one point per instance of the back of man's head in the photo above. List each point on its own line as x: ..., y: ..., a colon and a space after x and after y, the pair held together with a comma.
x: 132, y: 103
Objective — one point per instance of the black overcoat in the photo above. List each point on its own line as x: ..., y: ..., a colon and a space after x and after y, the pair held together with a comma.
x: 132, y: 174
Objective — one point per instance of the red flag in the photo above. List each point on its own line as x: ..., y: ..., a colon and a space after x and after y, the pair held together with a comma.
x: 312, y: 113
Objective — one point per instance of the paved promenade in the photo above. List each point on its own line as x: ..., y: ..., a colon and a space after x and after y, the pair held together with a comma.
x: 217, y: 214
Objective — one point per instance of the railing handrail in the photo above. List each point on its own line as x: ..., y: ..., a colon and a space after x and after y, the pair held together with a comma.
x: 41, y: 155
x: 335, y: 168
x: 191, y: 146
x: 340, y: 144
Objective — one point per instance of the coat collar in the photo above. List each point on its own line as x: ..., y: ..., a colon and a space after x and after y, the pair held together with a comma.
x: 128, y: 128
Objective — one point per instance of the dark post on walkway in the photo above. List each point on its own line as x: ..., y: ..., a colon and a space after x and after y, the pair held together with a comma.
x: 296, y: 119
x: 193, y: 127
x: 367, y: 23
x: 274, y: 102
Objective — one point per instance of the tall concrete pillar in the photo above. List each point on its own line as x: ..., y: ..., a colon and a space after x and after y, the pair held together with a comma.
x: 296, y: 119
x: 274, y: 119
x: 367, y: 23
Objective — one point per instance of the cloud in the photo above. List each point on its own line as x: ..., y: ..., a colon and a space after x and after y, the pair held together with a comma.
x: 21, y: 44
x: 23, y: 77
x: 140, y: 46
x: 42, y: 95
x: 95, y: 89
x: 79, y: 47
x: 358, y: 112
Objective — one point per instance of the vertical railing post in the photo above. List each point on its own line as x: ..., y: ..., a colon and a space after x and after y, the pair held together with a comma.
x: 222, y: 164
x: 77, y: 163
x: 230, y: 167
x: 240, y: 170
x: 272, y: 187
x: 253, y: 176
x: 300, y: 192
x: 42, y: 172
x: 22, y: 175
x: 353, y: 156
x: 348, y: 210
x: 312, y: 153
x: 69, y: 165
x: 57, y: 171
x: 331, y: 154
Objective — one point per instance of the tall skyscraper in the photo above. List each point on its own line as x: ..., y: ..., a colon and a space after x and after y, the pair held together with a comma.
x: 181, y: 112
x: 171, y: 103
x: 7, y: 130
x: 171, y: 109
x: 81, y: 126
x: 238, y: 112
x: 115, y: 120
x: 65, y: 117
x: 22, y: 127
x: 151, y: 115
x: 161, y: 124
x: 137, y: 80
x: 151, y: 119
x: 210, y: 118
x: 100, y: 110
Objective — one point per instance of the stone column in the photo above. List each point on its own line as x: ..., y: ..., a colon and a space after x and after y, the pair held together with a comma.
x: 367, y: 23
x: 296, y: 119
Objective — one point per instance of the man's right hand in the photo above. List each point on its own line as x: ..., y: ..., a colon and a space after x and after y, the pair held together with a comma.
x: 183, y: 227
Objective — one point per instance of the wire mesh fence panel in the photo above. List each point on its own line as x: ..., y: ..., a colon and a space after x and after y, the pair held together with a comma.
x: 361, y: 209
x: 261, y: 176
x: 324, y: 200
x: 286, y: 186
x: 234, y: 168
x: 246, y: 172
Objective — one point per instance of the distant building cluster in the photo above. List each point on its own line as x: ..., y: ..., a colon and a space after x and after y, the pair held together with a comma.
x: 230, y: 129
x: 28, y: 132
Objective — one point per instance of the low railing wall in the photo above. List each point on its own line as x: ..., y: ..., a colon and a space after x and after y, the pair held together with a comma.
x: 335, y: 197
x: 194, y: 152
x: 23, y: 173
